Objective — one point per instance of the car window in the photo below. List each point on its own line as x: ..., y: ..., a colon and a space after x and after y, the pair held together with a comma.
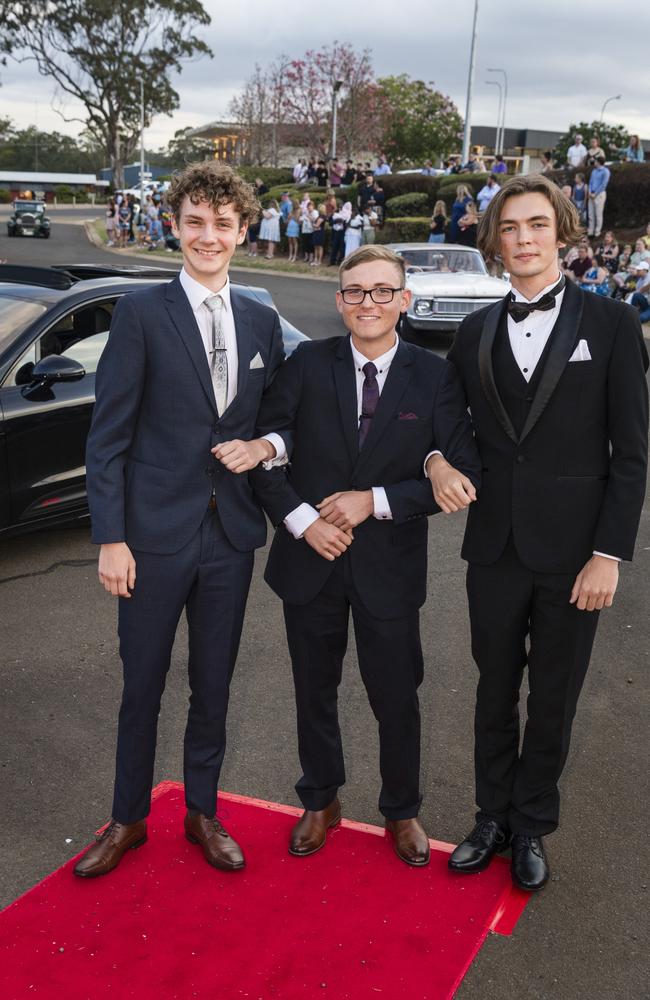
x: 444, y: 261
x: 80, y: 335
x: 15, y: 316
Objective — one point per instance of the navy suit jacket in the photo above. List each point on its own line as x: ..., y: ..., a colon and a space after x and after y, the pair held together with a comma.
x: 573, y: 481
x: 314, y: 399
x: 150, y: 470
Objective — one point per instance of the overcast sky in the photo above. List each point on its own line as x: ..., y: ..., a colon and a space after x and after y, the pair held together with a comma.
x: 563, y: 59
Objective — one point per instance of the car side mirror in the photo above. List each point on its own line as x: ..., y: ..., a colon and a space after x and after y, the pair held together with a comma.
x: 54, y: 368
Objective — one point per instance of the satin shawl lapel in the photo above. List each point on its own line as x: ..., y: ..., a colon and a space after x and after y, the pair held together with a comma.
x: 346, y: 390
x: 243, y: 332
x: 399, y: 376
x: 562, y: 346
x: 486, y: 369
x: 182, y: 316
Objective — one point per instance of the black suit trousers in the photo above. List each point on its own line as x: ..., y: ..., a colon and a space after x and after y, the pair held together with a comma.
x: 518, y: 618
x: 210, y: 580
x: 391, y: 665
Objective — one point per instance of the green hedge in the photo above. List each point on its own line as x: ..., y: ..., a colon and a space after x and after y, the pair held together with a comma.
x: 405, y: 230
x: 395, y: 185
x: 415, y: 203
x: 628, y: 194
x: 5, y: 196
x: 272, y: 176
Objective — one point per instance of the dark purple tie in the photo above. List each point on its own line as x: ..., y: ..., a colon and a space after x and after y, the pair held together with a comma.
x: 369, y: 400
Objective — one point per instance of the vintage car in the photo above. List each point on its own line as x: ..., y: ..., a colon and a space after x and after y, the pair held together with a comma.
x: 447, y: 282
x: 54, y: 324
x: 29, y: 219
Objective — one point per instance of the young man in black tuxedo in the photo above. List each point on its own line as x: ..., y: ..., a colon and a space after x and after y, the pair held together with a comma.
x: 362, y: 411
x: 555, y: 381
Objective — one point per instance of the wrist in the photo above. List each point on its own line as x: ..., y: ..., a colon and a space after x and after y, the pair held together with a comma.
x: 265, y: 450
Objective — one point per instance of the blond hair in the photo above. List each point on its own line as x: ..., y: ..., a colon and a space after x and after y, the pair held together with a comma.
x: 372, y: 252
x: 567, y: 218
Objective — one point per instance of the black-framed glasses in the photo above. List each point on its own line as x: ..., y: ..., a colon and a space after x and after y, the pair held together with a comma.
x: 382, y: 296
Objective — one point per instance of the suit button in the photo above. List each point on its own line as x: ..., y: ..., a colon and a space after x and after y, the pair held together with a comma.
x: 520, y: 459
x: 208, y: 472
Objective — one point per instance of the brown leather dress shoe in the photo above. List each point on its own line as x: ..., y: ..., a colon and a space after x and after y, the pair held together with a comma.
x: 310, y: 832
x: 409, y: 840
x: 109, y: 848
x: 220, y: 850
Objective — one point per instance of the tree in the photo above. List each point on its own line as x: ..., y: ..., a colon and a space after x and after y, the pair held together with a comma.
x: 30, y: 148
x: 422, y: 123
x: 183, y: 148
x: 98, y: 51
x: 612, y: 138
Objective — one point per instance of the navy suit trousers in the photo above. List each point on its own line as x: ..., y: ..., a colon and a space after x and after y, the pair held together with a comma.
x: 210, y: 580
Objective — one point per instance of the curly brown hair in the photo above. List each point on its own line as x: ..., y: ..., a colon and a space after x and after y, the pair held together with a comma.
x: 567, y: 218
x: 218, y: 185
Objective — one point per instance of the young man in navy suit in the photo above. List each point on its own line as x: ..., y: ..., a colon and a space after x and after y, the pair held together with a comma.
x: 362, y: 412
x: 183, y: 372
x: 555, y: 380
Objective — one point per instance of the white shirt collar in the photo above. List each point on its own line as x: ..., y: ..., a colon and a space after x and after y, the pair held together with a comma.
x: 381, y: 363
x: 519, y: 297
x: 198, y: 293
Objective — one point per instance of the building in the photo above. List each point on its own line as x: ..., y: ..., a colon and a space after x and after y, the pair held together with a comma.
x: 521, y: 143
x: 43, y: 185
x: 132, y: 174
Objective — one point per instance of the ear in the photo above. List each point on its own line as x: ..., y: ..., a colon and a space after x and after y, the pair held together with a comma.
x: 175, y: 229
x: 241, y: 236
x: 339, y: 302
x: 406, y: 300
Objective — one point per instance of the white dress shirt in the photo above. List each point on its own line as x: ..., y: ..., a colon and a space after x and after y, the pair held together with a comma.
x: 196, y: 295
x: 576, y: 154
x: 303, y: 516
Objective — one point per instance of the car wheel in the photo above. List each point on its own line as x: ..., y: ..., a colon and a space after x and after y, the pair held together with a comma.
x: 45, y: 236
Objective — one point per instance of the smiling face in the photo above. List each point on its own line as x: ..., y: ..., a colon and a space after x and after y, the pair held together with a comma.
x: 208, y: 240
x: 371, y: 324
x: 528, y: 241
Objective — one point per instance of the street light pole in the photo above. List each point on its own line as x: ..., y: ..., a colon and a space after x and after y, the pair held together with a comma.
x: 141, y: 145
x: 337, y: 86
x: 495, y: 83
x: 503, y: 111
x: 467, y: 134
x: 602, y: 110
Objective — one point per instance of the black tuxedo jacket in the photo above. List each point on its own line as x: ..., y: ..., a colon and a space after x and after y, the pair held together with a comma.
x: 314, y: 398
x: 574, y: 480
x: 150, y: 470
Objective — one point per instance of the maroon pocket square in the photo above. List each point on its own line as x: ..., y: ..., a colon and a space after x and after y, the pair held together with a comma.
x: 407, y: 416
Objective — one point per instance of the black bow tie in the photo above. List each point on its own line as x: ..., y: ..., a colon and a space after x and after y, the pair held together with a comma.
x: 521, y: 310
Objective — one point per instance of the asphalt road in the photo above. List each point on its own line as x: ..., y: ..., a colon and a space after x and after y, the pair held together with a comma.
x: 584, y: 938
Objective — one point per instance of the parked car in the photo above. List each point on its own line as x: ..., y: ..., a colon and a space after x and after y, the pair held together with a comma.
x: 54, y: 324
x: 28, y: 219
x: 447, y: 282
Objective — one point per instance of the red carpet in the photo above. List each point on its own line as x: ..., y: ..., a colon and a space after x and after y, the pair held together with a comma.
x: 352, y: 922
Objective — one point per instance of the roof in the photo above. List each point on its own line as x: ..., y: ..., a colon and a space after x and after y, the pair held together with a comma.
x: 36, y: 176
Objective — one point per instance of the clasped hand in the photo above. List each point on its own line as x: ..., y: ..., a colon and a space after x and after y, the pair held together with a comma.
x: 331, y: 535
x: 241, y: 456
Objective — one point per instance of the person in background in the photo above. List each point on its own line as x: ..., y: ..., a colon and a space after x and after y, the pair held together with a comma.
x: 576, y: 154
x: 286, y: 207
x: 438, y: 222
x: 546, y: 163
x: 270, y: 228
x: 331, y: 204
x: 311, y: 172
x: 428, y: 169
x: 350, y: 175
x: 379, y: 198
x: 338, y: 222
x: 260, y: 187
x: 634, y: 151
x: 468, y: 225
x: 579, y: 196
x: 293, y: 232
x: 321, y: 174
x: 499, y: 166
x: 370, y: 223
x: 353, y: 233
x: 318, y: 238
x: 596, y: 279
x: 252, y: 237
x: 112, y: 222
x: 307, y: 219
x: 598, y: 181
x: 336, y: 174
x: 382, y: 167
x: 594, y: 151
x: 360, y: 173
x: 640, y: 297
x: 578, y: 267
x: 608, y: 249
x: 487, y: 193
x: 646, y: 238
x: 463, y: 195
x: 366, y: 192
x: 124, y: 224
x: 625, y: 277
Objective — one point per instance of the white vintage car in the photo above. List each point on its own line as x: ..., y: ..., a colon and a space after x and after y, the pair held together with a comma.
x: 447, y: 282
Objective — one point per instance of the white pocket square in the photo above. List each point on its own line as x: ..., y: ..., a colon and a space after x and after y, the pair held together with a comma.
x: 581, y: 352
x: 258, y: 363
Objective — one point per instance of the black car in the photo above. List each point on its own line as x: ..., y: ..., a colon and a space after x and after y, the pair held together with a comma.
x: 54, y: 324
x: 29, y: 219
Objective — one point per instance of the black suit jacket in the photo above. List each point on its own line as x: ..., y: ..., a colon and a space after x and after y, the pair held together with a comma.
x: 574, y: 480
x: 149, y: 465
x: 314, y: 398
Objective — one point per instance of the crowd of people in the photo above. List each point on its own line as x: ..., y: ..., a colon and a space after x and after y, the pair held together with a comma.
x: 610, y: 267
x: 148, y: 225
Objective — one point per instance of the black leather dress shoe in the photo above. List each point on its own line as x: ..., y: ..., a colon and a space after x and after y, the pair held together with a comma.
x: 529, y: 868
x: 477, y: 850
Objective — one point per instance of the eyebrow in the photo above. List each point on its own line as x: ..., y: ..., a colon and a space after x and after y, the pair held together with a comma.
x: 533, y: 218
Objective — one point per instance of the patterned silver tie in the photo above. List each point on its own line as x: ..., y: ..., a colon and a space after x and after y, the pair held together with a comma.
x: 218, y: 357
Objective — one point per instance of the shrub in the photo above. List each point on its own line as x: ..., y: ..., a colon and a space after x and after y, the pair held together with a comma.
x: 5, y: 196
x: 395, y: 185
x: 416, y: 204
x: 316, y: 194
x: 272, y: 176
x: 405, y: 230
x: 628, y: 194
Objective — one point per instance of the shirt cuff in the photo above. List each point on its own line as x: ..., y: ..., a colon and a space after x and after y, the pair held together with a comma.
x: 381, y: 505
x: 605, y: 555
x: 300, y: 519
x: 281, y: 457
x: 434, y: 452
